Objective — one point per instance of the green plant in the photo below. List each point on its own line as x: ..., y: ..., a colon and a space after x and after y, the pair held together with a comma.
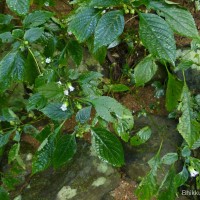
x: 41, y: 60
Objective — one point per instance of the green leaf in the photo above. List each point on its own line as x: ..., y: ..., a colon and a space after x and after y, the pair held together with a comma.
x: 31, y: 69
x: 64, y: 150
x: 180, y: 20
x: 4, y: 138
x: 11, y: 69
x: 173, y: 92
x: 100, y: 55
x: 83, y: 115
x: 105, y: 106
x: 186, y: 152
x: 184, y: 65
x: 167, y: 190
x: 169, y: 158
x: 83, y: 23
x: 43, y: 157
x: 5, y: 19
x: 188, y: 126
x: 53, y: 111
x: 124, y: 124
x: 147, y: 187
x: 106, y: 3
x: 157, y: 37
x: 181, y: 177
x: 4, y: 194
x: 107, y: 147
x: 18, y: 33
x: 36, y: 18
x: 109, y: 27
x: 119, y: 88
x: 13, y: 153
x: 141, y: 136
x: 195, y: 163
x: 75, y: 51
x: 18, y: 6
x: 36, y: 101
x: 44, y: 133
x: 145, y: 70
x: 6, y: 37
x: 33, y: 34
x: 8, y: 115
x: 51, y: 90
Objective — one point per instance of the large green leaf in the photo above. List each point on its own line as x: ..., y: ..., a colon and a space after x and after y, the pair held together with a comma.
x: 173, y: 92
x: 5, y: 19
x: 157, y: 37
x: 188, y: 126
x: 169, y: 158
x: 141, y: 136
x: 107, y: 106
x: 109, y: 27
x: 107, y: 147
x: 64, y: 150
x: 36, y: 18
x: 11, y: 69
x: 167, y: 190
x: 33, y: 34
x: 83, y: 23
x: 53, y: 111
x: 51, y: 90
x: 75, y: 51
x: 36, y: 101
x: 181, y: 177
x: 145, y: 70
x: 180, y: 20
x: 105, y: 3
x: 18, y: 6
x: 83, y: 115
x: 43, y: 157
x: 147, y: 187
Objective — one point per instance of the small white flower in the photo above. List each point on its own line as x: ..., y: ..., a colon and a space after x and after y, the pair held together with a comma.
x: 104, y: 11
x: 48, y: 60
x: 59, y: 83
x: 46, y: 3
x: 69, y: 33
x: 63, y: 107
x: 66, y: 92
x: 193, y: 172
x: 71, y: 88
x: 29, y: 156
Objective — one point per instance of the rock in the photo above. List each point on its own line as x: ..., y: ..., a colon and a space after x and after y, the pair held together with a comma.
x: 86, y: 177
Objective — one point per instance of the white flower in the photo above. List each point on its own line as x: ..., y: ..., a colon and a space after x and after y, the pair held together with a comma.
x: 71, y: 88
x: 63, y: 107
x: 104, y: 11
x: 59, y: 83
x: 69, y: 33
x: 193, y: 172
x: 48, y: 60
x: 66, y: 92
x: 46, y: 3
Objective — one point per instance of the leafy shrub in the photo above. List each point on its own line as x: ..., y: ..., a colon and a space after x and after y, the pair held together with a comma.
x: 41, y: 58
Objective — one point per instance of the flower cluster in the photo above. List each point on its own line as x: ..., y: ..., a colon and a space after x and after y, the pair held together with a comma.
x: 69, y: 89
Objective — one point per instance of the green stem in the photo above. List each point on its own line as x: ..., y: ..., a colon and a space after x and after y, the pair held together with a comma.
x: 38, y: 67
